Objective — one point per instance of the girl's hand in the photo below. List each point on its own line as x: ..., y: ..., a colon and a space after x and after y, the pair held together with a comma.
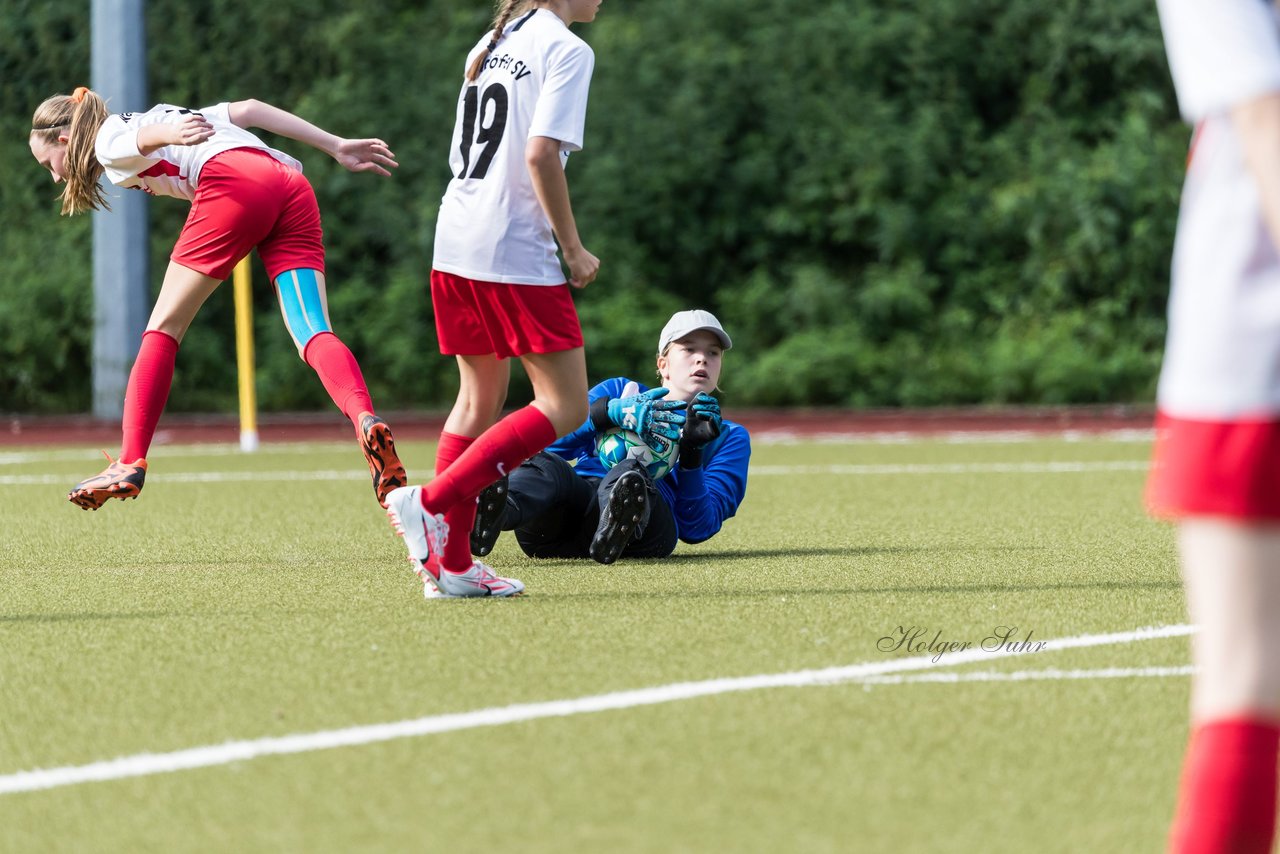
x: 365, y: 155
x: 192, y: 130
x: 583, y: 267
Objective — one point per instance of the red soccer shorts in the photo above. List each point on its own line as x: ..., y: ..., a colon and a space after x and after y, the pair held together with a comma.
x: 1216, y: 468
x: 247, y: 198
x: 474, y: 318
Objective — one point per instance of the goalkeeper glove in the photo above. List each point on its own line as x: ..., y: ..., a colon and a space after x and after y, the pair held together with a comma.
x: 646, y: 414
x: 701, y: 429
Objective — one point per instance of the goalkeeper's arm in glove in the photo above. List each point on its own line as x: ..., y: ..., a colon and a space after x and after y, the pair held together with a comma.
x: 701, y: 428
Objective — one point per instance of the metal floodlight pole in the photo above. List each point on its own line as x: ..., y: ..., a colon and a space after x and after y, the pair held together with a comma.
x: 118, y: 72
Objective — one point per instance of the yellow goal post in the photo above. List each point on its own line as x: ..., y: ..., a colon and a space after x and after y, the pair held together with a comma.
x: 241, y: 283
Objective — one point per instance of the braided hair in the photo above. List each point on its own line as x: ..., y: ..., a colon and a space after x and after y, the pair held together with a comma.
x: 506, y: 10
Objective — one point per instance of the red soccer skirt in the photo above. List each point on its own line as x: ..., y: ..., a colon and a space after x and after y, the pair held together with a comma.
x: 247, y: 198
x: 1216, y: 468
x: 476, y: 318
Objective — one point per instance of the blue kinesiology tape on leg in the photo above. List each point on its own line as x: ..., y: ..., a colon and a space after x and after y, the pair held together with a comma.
x: 299, y: 293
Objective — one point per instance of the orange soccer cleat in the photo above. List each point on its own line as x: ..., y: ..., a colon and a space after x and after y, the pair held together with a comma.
x: 380, y: 451
x: 118, y: 480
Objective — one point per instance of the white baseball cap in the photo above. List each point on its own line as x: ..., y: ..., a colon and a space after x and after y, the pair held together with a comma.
x: 684, y: 322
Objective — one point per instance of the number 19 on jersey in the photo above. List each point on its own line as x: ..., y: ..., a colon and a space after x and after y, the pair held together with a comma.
x: 484, y: 121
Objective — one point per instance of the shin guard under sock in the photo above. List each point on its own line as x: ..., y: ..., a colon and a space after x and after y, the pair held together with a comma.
x: 1227, y: 799
x: 145, y: 396
x: 494, y: 453
x: 462, y: 516
x: 340, y: 374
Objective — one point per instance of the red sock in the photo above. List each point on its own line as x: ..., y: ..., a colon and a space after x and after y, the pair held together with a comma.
x: 462, y: 516
x: 145, y: 396
x: 497, y: 451
x: 340, y: 373
x: 1227, y: 800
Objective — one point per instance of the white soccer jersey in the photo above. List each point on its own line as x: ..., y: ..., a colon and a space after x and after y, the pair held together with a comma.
x: 491, y: 227
x: 1222, y: 356
x: 173, y: 170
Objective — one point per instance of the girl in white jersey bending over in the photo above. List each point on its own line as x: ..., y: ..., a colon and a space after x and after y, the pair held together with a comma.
x: 1217, y: 458
x: 496, y: 284
x: 243, y: 195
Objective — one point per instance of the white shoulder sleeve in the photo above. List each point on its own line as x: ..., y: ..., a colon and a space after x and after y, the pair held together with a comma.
x: 218, y: 113
x: 117, y: 147
x: 561, y: 111
x: 1221, y: 52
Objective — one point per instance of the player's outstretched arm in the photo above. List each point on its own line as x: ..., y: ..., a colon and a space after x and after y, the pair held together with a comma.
x: 356, y: 155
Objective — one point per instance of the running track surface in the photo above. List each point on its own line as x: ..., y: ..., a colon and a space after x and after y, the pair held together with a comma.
x: 764, y: 424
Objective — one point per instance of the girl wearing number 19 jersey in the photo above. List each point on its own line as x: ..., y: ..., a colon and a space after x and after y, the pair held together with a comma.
x: 497, y: 287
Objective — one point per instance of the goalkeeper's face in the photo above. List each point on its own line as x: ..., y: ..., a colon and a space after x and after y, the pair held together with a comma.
x: 691, y: 365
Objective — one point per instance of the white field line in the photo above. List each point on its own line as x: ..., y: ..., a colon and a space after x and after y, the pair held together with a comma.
x: 958, y: 468
x: 145, y: 764
x: 205, y: 450
x: 1048, y: 674
x: 755, y: 471
x: 759, y: 437
x: 954, y: 437
x: 198, y: 477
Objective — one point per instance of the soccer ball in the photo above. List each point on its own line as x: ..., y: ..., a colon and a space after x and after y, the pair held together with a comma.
x: 615, y: 445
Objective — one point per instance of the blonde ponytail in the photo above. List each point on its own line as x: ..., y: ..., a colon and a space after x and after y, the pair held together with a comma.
x: 78, y: 117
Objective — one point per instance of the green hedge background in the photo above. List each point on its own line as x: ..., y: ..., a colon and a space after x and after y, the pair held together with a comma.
x: 886, y: 203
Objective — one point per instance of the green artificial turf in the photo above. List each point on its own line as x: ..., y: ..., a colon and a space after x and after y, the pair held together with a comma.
x: 216, y: 609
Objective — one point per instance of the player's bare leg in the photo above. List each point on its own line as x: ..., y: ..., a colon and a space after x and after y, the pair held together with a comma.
x: 1228, y: 793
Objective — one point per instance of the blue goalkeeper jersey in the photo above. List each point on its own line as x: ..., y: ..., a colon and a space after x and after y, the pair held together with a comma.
x: 700, y: 499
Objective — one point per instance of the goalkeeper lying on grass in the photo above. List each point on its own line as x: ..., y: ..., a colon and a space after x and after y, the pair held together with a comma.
x: 561, y: 510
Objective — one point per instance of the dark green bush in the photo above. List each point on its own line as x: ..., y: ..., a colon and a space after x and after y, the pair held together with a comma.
x: 885, y: 203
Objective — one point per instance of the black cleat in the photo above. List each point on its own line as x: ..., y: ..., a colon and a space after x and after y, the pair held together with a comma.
x: 621, y: 518
x: 490, y: 508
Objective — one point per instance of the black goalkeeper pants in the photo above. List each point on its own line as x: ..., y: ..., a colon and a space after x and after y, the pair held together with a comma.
x: 554, y: 512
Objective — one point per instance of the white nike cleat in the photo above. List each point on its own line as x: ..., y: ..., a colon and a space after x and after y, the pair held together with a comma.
x: 424, y: 534
x: 479, y: 580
